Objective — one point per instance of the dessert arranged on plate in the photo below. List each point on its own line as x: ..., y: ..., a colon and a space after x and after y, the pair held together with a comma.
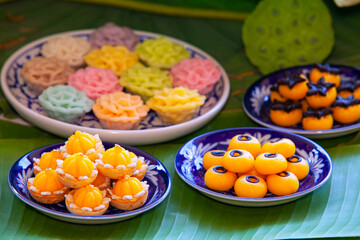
x: 252, y: 170
x: 89, y: 177
x: 119, y: 78
x: 315, y: 100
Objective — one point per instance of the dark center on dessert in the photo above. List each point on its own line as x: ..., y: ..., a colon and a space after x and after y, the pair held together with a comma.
x: 271, y: 155
x: 287, y: 106
x: 318, y: 113
x: 345, y: 102
x: 291, y: 79
x: 348, y: 85
x: 294, y: 159
x: 321, y: 87
x: 283, y: 174
x: 219, y: 169
x: 217, y: 153
x: 327, y: 68
x: 244, y: 138
x: 236, y: 153
x: 252, y: 179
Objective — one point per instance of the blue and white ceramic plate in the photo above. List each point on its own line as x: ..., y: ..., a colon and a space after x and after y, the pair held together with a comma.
x: 256, y: 103
x: 157, y: 177
x: 151, y: 129
x: 188, y: 164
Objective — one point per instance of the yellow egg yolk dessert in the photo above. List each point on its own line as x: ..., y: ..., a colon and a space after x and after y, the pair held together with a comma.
x: 284, y: 146
x: 45, y: 187
x: 270, y: 163
x: 117, y: 162
x: 128, y: 193
x: 330, y: 74
x: 87, y: 200
x: 250, y: 186
x: 281, y: 184
x: 286, y: 114
x: 245, y: 142
x: 85, y: 143
x: 219, y: 179
x: 47, y: 160
x: 212, y: 158
x: 76, y: 171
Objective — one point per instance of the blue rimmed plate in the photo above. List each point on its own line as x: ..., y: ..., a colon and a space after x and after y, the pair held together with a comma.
x: 157, y: 176
x: 256, y: 103
x: 188, y: 164
x: 151, y: 129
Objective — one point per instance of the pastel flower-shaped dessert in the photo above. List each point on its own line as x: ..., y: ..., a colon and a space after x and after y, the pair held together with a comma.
x: 40, y: 73
x: 102, y: 182
x: 196, y: 73
x: 346, y: 110
x: 65, y: 103
x: 76, y: 171
x: 47, y: 160
x: 144, y: 81
x: 176, y: 105
x: 95, y: 81
x: 88, y: 200
x: 117, y: 162
x: 161, y: 52
x: 46, y: 187
x: 128, y: 193
x: 141, y: 168
x: 120, y: 110
x: 117, y: 58
x: 85, y: 143
x: 67, y: 48
x: 113, y: 35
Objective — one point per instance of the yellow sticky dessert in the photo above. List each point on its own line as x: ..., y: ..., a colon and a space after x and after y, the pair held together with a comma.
x: 85, y: 143
x: 141, y: 168
x: 47, y: 160
x: 45, y: 187
x: 128, y: 193
x: 76, y: 171
x: 117, y: 162
x: 88, y: 200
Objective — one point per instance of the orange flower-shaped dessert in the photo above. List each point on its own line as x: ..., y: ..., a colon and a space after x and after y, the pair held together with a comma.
x: 45, y: 187
x: 141, y: 168
x: 128, y: 193
x: 117, y: 162
x: 77, y: 171
x: 47, y: 160
x: 88, y: 200
x: 85, y: 143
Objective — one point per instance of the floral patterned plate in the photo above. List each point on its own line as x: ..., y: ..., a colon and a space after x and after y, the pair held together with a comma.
x: 256, y: 103
x: 188, y: 164
x: 157, y: 176
x: 151, y: 129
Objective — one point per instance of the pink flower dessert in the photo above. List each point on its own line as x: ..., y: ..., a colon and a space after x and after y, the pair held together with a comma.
x: 95, y: 81
x: 196, y: 73
x: 114, y: 35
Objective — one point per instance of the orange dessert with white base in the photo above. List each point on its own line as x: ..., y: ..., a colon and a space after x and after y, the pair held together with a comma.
x: 85, y: 143
x: 47, y: 160
x: 141, y: 168
x: 117, y: 162
x: 76, y: 171
x: 45, y: 187
x: 88, y: 200
x: 128, y: 193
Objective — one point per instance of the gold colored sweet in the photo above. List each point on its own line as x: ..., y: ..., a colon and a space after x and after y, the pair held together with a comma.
x: 47, y: 160
x: 88, y: 200
x: 76, y: 171
x: 117, y: 162
x: 85, y: 143
x: 128, y: 193
x: 45, y: 187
